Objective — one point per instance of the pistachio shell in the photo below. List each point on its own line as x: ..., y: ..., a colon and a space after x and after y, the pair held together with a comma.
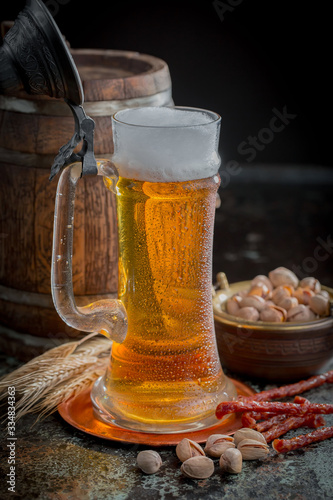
x: 187, y: 448
x: 214, y: 438
x: 311, y: 283
x: 280, y: 293
x: 253, y: 301
x: 303, y: 295
x: 232, y: 304
x: 274, y: 314
x: 300, y: 313
x: 260, y: 290
x: 283, y: 276
x: 248, y: 433
x: 217, y: 449
x: 248, y: 313
x: 231, y: 461
x: 324, y: 293
x: 288, y: 302
x: 149, y: 461
x: 261, y: 279
x: 252, y: 449
x: 198, y: 467
x: 320, y: 305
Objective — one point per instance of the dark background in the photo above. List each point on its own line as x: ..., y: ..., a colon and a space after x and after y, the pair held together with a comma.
x: 240, y: 58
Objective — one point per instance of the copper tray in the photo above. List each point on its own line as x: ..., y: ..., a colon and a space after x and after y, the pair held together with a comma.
x: 78, y: 412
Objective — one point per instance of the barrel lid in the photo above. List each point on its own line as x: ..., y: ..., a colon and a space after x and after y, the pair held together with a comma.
x: 110, y: 74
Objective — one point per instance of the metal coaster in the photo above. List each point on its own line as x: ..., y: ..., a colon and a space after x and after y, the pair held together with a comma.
x: 78, y: 412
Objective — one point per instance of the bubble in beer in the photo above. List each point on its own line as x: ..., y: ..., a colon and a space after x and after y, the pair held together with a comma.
x: 166, y: 144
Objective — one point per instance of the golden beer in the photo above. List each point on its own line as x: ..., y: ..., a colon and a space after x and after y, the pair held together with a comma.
x: 167, y: 370
x: 166, y: 376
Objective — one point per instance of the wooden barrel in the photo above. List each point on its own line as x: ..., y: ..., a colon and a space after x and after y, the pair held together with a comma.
x: 32, y: 129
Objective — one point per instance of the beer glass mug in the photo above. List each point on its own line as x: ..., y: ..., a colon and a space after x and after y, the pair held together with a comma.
x: 164, y: 373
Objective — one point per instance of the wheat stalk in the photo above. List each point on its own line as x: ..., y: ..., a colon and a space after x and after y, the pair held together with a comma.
x: 61, y: 351
x: 43, y: 381
x: 97, y: 347
x: 53, y: 377
x: 69, y: 389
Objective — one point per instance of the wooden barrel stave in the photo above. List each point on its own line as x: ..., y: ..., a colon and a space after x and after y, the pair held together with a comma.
x: 32, y: 129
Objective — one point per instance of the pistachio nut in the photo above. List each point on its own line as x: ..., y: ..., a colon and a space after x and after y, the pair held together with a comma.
x: 303, y: 295
x: 300, y: 313
x: 261, y: 279
x: 217, y: 444
x: 311, y: 283
x: 324, y: 293
x: 248, y: 433
x: 288, y: 302
x: 283, y: 276
x: 280, y: 293
x: 187, y: 448
x: 252, y: 449
x: 232, y: 304
x: 231, y: 461
x: 248, y: 313
x: 199, y: 467
x: 260, y: 290
x: 149, y: 461
x: 273, y: 314
x: 213, y: 438
x: 320, y: 305
x: 253, y: 301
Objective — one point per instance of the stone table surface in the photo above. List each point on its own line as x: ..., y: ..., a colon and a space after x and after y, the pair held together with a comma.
x: 54, y: 461
x: 267, y: 218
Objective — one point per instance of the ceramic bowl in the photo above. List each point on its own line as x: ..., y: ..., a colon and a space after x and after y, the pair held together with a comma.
x: 272, y: 351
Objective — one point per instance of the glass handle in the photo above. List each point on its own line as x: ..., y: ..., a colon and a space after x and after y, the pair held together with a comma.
x: 106, y: 316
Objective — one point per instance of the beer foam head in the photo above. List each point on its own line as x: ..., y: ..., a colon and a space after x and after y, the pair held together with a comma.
x: 161, y: 144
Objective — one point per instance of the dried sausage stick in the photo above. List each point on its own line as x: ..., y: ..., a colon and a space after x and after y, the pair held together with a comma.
x: 275, y: 407
x: 292, y: 389
x: 285, y: 445
x: 248, y: 420
x: 264, y: 415
x: 278, y: 430
x: 267, y: 424
x: 277, y: 419
x: 301, y: 401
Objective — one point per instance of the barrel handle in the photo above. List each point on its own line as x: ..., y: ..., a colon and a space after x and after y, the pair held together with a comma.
x: 106, y: 316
